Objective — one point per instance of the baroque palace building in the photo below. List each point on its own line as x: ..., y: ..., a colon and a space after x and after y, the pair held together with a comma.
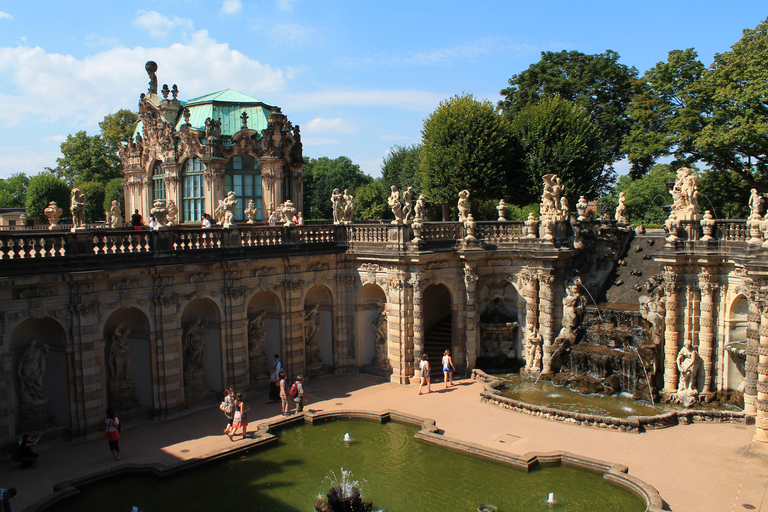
x: 156, y: 323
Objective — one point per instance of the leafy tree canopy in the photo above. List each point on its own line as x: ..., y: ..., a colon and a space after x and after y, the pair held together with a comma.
x: 371, y: 201
x: 645, y: 197
x: 321, y: 176
x: 94, y: 200
x: 401, y: 167
x: 557, y: 136
x: 86, y: 158
x: 597, y: 83
x: 118, y: 127
x: 113, y: 191
x: 13, y: 191
x: 44, y: 188
x: 465, y: 145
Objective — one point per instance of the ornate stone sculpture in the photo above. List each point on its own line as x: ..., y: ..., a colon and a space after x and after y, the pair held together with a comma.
x: 257, y: 340
x: 251, y: 212
x: 337, y: 206
x: 53, y: 212
x: 194, y: 344
x: 116, y: 215
x: 173, y: 212
x: 380, y: 357
x: 685, y: 193
x: 119, y: 358
x: 707, y: 226
x: 755, y: 203
x: 573, y: 308
x: 564, y: 207
x: 621, y: 210
x: 311, y: 330
x: 349, y: 206
x: 418, y: 209
x: 581, y: 207
x: 688, y: 364
x: 463, y: 205
x: 229, y: 204
x: 533, y: 342
x: 407, y: 205
x: 77, y: 207
x: 502, y: 209
x: 531, y: 226
x: 161, y: 214
x: 31, y: 371
x: 550, y: 197
x: 469, y: 225
x: 395, y: 205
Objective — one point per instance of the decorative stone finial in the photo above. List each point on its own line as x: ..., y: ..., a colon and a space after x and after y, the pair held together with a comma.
x: 174, y: 91
x: 244, y: 118
x: 151, y: 68
x: 186, y: 114
x: 165, y: 91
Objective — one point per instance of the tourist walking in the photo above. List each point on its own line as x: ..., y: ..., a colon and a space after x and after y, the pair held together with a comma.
x: 24, y: 453
x: 5, y: 497
x: 448, y: 368
x: 241, y: 416
x: 284, y: 393
x: 424, y: 370
x: 112, y: 433
x: 274, y: 380
x: 229, y: 410
x: 297, y: 392
x: 136, y: 220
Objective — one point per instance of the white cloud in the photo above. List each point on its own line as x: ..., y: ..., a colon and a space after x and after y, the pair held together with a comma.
x: 231, y: 6
x: 320, y: 124
x: 285, y: 5
x: 5, y: 16
x: 317, y: 141
x: 401, y: 99
x: 28, y: 160
x: 51, y: 86
x: 158, y: 25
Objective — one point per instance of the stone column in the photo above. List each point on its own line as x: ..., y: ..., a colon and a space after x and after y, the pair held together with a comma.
x: 235, y: 332
x: 272, y: 183
x: 472, y: 341
x: 172, y: 181
x: 293, y: 326
x: 418, y: 317
x: 706, y: 324
x: 761, y: 428
x: 397, y: 326
x: 753, y: 347
x: 214, y: 181
x: 671, y: 334
x: 527, y: 283
x: 546, y: 317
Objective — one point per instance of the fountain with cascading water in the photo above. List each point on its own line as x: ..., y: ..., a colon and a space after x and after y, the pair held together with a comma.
x: 344, y: 495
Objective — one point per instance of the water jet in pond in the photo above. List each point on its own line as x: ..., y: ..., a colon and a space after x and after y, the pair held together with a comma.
x: 344, y: 495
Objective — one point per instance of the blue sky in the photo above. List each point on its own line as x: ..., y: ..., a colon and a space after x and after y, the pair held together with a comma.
x: 359, y: 77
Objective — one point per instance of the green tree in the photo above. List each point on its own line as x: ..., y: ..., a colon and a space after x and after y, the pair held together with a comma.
x: 371, y: 201
x: 321, y: 176
x: 465, y: 145
x: 667, y: 113
x: 726, y: 194
x: 87, y: 158
x: 597, y: 83
x: 13, y: 191
x: 113, y: 191
x: 118, y: 127
x: 556, y: 136
x: 44, y: 188
x: 401, y: 167
x: 94, y: 200
x: 645, y: 197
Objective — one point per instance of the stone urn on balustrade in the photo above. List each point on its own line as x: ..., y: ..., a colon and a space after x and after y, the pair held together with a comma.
x: 53, y: 213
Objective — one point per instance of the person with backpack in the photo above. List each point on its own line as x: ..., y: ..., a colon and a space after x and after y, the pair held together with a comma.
x: 228, y: 406
x: 284, y: 393
x: 112, y: 433
x: 297, y: 393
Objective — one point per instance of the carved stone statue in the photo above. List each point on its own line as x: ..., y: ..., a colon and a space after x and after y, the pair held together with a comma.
x: 287, y: 211
x: 220, y: 212
x: 581, y: 207
x: 531, y: 226
x: 77, y: 207
x: 395, y: 205
x: 229, y: 204
x: 337, y: 206
x: 380, y: 357
x: 160, y: 212
x: 173, y: 212
x: 407, y: 205
x: 116, y: 215
x: 119, y: 358
x: 349, y: 206
x: 533, y: 342
x: 31, y: 371
x: 688, y: 364
x: 418, y: 209
x: 251, y: 212
x: 573, y: 308
x: 311, y: 330
x: 564, y: 207
x: 502, y: 209
x: 53, y: 212
x: 194, y: 343
x: 685, y: 193
x: 621, y: 210
x: 550, y: 197
x: 463, y: 205
x: 755, y: 203
x: 257, y: 339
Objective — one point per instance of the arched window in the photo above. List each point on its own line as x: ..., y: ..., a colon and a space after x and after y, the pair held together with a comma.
x: 193, y: 194
x: 243, y: 175
x: 158, y: 183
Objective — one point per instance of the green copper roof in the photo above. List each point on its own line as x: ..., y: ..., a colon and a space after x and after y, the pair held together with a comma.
x: 226, y: 96
x: 227, y: 105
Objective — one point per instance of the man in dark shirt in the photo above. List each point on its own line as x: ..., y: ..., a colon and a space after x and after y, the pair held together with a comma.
x: 136, y: 220
x: 5, y: 497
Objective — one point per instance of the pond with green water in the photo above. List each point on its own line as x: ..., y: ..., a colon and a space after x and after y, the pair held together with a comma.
x: 396, y: 472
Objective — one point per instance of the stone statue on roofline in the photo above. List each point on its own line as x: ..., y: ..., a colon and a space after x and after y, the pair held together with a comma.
x: 463, y: 206
x: 395, y: 205
x: 77, y: 207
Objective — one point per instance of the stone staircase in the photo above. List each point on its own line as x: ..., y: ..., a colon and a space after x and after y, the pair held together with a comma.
x: 436, y: 341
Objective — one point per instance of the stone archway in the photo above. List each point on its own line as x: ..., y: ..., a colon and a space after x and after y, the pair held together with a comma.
x: 734, y: 370
x: 438, y: 323
x: 372, y: 330
x: 201, y: 351
x: 40, y: 375
x: 319, y: 346
x: 128, y: 360
x: 498, y: 323
x: 264, y: 334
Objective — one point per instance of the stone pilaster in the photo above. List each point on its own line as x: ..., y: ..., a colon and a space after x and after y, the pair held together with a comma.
x: 214, y: 182
x: 418, y: 317
x: 165, y: 336
x: 397, y: 325
x: 528, y: 284
x: 761, y: 428
x: 706, y: 326
x: 546, y: 314
x: 293, y: 345
x: 671, y: 342
x: 88, y: 362
x: 271, y: 182
x: 472, y: 338
x: 753, y: 347
x: 235, y: 332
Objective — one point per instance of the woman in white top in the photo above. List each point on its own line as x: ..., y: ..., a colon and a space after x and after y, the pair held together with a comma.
x: 206, y: 220
x: 152, y: 222
x: 448, y: 368
x: 424, y: 370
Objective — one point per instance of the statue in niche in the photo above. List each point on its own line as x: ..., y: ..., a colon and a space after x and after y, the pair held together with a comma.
x: 407, y: 205
x: 755, y: 203
x: 116, y: 215
x: 463, y: 205
x: 395, y: 205
x: 311, y: 329
x: 77, y: 206
x: 173, y: 212
x: 257, y: 337
x: 688, y: 364
x: 194, y: 343
x: 533, y: 342
x: 337, y: 206
x: 379, y: 323
x: 119, y: 358
x: 31, y: 371
x: 349, y: 206
x: 229, y: 204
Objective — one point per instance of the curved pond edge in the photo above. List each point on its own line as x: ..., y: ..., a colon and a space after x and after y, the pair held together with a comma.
x: 633, y: 424
x: 614, y: 474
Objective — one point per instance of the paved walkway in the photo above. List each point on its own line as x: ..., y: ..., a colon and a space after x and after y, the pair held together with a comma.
x: 696, y: 468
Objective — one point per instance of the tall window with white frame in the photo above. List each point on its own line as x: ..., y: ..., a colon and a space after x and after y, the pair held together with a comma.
x: 193, y: 195
x: 158, y: 182
x: 243, y: 175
